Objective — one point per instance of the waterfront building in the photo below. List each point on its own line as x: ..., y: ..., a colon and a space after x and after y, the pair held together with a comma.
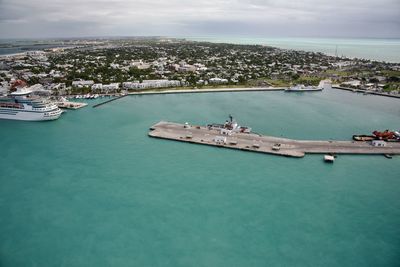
x: 82, y: 83
x: 218, y: 81
x: 146, y: 84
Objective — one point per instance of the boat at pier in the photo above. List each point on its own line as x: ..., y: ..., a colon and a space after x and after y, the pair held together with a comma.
x: 389, y: 136
x: 302, y: 88
x: 363, y: 137
x: 22, y: 105
x: 230, y: 125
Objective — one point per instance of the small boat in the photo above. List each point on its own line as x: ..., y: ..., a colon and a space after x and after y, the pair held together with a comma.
x: 363, y: 137
x: 388, y: 156
x: 329, y: 158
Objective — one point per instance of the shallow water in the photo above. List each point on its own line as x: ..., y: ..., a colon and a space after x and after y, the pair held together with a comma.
x: 91, y: 189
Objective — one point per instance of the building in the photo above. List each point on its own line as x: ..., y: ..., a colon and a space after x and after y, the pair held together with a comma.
x: 97, y: 87
x: 105, y: 87
x: 146, y: 84
x: 82, y: 83
x: 110, y: 87
x: 218, y: 81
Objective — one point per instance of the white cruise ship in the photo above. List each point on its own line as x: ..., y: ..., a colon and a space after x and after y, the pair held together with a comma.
x: 22, y: 105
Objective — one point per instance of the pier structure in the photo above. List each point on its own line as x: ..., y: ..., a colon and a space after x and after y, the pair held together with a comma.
x: 70, y: 105
x: 266, y: 144
x: 109, y: 100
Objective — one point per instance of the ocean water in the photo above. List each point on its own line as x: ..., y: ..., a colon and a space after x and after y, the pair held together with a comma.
x: 92, y: 189
x: 369, y: 48
x: 16, y: 46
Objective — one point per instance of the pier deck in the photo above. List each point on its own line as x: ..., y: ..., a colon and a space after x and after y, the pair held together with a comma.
x: 70, y: 105
x: 265, y: 144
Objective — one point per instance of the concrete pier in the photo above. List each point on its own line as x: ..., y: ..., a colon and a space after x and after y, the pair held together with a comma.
x: 108, y: 101
x: 266, y: 144
x: 70, y: 105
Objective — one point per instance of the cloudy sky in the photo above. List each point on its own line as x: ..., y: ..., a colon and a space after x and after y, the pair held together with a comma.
x: 258, y: 18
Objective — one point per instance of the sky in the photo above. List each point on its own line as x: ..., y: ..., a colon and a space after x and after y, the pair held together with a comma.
x: 248, y: 18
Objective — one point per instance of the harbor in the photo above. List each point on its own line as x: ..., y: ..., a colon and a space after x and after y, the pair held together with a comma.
x: 227, y: 137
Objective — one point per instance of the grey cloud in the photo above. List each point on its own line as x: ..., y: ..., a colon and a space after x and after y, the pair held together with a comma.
x: 40, y: 18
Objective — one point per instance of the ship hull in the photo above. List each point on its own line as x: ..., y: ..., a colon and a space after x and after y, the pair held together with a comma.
x: 30, y: 116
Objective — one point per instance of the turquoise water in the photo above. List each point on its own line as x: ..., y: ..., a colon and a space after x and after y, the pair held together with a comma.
x: 375, y: 49
x: 91, y: 189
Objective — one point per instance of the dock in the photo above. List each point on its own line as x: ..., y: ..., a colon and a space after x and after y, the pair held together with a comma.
x: 109, y: 100
x: 70, y: 105
x: 266, y: 144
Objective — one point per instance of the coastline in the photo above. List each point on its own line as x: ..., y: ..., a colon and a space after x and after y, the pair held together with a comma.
x: 232, y: 90
x: 216, y: 90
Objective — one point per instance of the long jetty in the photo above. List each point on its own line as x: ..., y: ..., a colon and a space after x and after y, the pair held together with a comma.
x: 266, y: 144
x: 109, y: 100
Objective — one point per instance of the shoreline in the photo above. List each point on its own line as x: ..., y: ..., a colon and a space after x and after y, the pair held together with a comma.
x: 234, y: 90
x: 216, y: 90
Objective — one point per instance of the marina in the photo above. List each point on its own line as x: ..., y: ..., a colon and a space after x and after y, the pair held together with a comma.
x: 229, y: 138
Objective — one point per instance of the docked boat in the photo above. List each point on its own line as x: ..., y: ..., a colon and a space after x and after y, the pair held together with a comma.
x: 303, y: 88
x: 363, y: 137
x: 329, y: 158
x: 388, y: 136
x: 22, y: 105
x: 230, y: 125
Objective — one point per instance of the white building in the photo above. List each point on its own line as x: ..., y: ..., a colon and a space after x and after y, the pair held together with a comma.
x: 140, y: 65
x: 97, y: 86
x: 218, y: 81
x: 146, y: 84
x: 105, y: 87
x: 82, y: 83
x: 111, y: 87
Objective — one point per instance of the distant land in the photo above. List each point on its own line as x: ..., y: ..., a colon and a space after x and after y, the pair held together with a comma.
x: 380, y: 49
x: 104, y: 66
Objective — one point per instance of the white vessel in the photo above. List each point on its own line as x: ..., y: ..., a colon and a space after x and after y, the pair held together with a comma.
x: 324, y: 84
x: 302, y: 88
x: 231, y: 125
x: 22, y: 105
